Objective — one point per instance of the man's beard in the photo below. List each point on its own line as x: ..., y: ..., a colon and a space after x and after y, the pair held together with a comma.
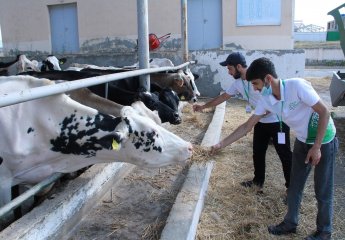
x: 237, y: 75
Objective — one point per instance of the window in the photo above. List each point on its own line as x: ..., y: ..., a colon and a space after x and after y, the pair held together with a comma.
x: 258, y: 12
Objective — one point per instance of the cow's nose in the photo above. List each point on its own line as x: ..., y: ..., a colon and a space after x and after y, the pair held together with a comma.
x: 194, y: 99
x: 176, y: 119
x: 190, y: 148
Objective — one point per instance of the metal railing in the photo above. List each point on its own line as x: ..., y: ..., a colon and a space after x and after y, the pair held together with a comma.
x: 45, y: 91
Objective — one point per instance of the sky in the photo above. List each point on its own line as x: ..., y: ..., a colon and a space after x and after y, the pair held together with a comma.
x: 315, y: 11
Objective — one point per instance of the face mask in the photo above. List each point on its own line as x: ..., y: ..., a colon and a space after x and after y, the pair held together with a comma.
x: 266, y: 91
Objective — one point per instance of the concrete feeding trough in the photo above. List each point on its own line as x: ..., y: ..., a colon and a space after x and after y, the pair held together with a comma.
x: 337, y: 89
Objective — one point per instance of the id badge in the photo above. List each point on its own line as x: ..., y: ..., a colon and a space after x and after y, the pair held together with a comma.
x: 248, y: 109
x: 281, y: 138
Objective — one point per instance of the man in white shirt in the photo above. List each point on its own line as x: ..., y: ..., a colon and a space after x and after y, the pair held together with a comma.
x: 301, y: 108
x: 266, y: 129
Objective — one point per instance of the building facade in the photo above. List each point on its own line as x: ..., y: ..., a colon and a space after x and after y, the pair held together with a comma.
x: 75, y: 26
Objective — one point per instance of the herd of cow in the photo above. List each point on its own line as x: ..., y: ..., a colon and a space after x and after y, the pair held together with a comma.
x: 67, y: 132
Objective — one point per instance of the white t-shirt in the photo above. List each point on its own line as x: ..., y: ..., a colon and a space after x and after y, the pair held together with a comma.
x: 246, y: 89
x: 295, y: 109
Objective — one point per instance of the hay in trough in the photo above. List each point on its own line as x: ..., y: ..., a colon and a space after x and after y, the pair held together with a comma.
x: 152, y: 231
x: 202, y: 154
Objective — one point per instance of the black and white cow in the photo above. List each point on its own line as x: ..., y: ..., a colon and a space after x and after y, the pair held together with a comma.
x: 23, y: 64
x: 4, y: 66
x: 124, y: 91
x: 105, y: 106
x: 166, y: 106
x: 58, y: 134
x: 20, y: 64
x: 181, y: 82
x: 50, y: 63
x: 186, y: 89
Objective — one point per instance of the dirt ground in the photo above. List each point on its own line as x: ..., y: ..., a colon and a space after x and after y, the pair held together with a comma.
x: 140, y: 204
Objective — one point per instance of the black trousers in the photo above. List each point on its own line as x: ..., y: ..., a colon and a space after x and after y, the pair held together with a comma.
x: 263, y: 132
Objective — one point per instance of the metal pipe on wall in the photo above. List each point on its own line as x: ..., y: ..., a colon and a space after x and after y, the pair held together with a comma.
x: 143, y: 42
x: 184, y: 29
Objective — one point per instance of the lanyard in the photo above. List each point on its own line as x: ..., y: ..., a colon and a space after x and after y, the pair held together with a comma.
x: 281, y: 112
x: 246, y: 92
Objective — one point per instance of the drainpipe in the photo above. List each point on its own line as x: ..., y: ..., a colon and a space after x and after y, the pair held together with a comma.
x: 184, y: 29
x: 143, y: 41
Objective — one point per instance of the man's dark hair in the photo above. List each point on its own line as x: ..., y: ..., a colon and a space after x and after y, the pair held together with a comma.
x: 259, y: 68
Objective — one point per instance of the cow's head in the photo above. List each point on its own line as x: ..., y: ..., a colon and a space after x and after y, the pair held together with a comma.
x: 151, y: 101
x: 186, y: 87
x: 52, y: 63
x: 191, y: 77
x: 148, y: 144
x: 170, y: 98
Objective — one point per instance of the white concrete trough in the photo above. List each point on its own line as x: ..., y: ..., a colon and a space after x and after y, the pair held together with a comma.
x: 184, y: 217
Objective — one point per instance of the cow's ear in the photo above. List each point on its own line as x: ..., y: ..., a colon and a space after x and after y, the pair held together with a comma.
x: 179, y: 82
x: 62, y: 61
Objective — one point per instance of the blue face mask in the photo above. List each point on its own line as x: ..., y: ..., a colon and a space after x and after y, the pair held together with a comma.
x: 266, y: 91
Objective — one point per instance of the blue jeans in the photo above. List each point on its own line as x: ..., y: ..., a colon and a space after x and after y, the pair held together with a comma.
x: 323, y: 184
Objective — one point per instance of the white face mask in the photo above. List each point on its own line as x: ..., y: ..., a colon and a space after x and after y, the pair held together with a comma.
x: 266, y: 90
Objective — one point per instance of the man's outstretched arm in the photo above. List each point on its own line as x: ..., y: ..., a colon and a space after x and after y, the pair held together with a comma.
x: 239, y: 132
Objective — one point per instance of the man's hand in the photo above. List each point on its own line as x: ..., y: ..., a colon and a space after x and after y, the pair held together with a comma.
x: 215, y: 148
x: 313, y: 156
x: 197, y: 108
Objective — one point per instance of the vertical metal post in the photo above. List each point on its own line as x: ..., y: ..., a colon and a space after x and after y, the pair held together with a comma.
x: 143, y: 41
x: 184, y: 29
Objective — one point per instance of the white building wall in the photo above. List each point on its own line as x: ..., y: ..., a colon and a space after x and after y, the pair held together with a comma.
x: 310, y: 36
x: 114, y: 22
x: 324, y: 54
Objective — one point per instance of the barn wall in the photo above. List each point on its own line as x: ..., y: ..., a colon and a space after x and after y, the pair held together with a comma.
x: 111, y: 26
